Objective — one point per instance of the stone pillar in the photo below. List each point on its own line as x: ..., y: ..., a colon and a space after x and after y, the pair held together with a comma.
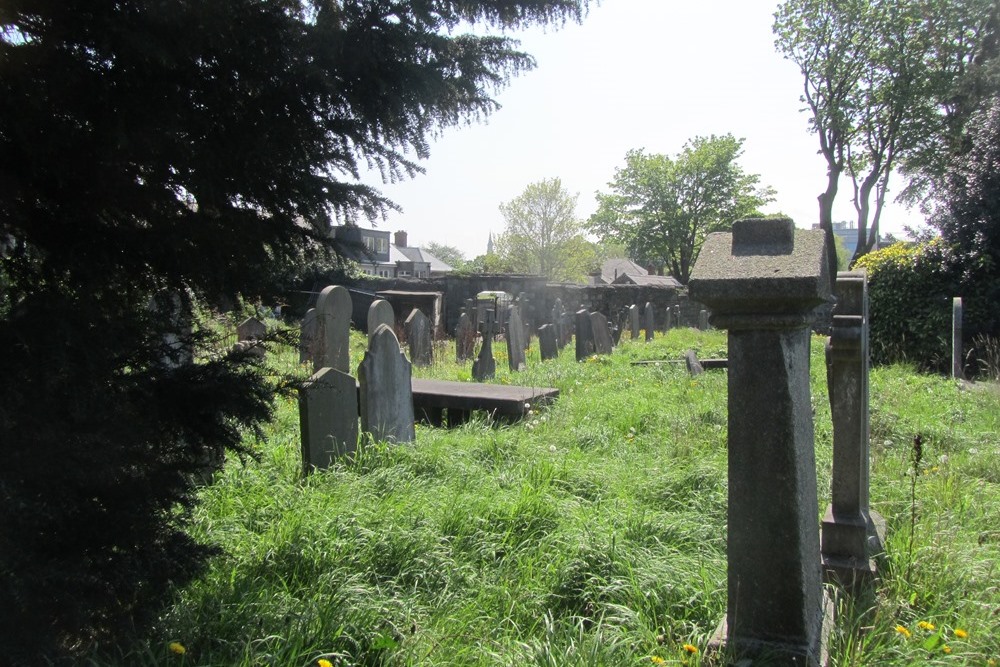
x: 851, y: 533
x: 957, y: 364
x: 762, y: 283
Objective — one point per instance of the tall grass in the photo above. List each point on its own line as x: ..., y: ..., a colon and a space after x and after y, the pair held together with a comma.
x: 591, y: 533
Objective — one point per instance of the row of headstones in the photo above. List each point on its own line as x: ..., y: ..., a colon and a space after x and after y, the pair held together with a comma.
x: 332, y: 401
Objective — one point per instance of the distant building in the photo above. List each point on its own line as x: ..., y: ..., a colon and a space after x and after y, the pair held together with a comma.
x: 627, y: 272
x: 376, y: 256
x: 646, y: 280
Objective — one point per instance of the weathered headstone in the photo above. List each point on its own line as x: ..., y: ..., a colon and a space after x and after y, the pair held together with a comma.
x: 633, y: 321
x: 649, y: 320
x: 386, y: 392
x: 556, y: 319
x: 957, y: 362
x: 584, y: 335
x: 703, y: 319
x: 677, y: 316
x: 485, y: 366
x: 465, y: 338
x: 175, y: 306
x: 333, y: 328
x: 418, y: 338
x: 379, y: 313
x: 548, y: 346
x: 763, y: 282
x: 603, y: 343
x: 249, y: 333
x: 515, y: 339
x: 308, y: 336
x: 328, y: 417
x: 693, y: 365
x: 852, y: 534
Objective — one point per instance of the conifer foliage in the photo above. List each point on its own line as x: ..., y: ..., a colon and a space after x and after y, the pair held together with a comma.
x: 157, y: 153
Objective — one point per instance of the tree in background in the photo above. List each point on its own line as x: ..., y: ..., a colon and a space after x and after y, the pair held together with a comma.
x: 661, y: 208
x: 155, y: 156
x: 881, y: 80
x: 542, y: 234
x: 448, y: 254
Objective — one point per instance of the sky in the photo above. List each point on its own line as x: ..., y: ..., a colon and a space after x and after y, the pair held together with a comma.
x: 649, y: 74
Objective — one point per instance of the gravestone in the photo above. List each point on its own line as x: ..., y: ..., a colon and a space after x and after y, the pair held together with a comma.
x: 307, y: 338
x: 603, y: 343
x: 852, y: 534
x: 584, y: 335
x: 557, y: 321
x: 386, y: 391
x: 418, y: 338
x: 333, y: 329
x: 249, y: 333
x: 957, y: 364
x: 649, y: 320
x: 693, y: 365
x: 485, y: 366
x: 515, y: 339
x: 465, y: 338
x: 175, y: 306
x: 473, y: 313
x: 328, y: 418
x: 379, y: 313
x: 677, y: 316
x: 548, y: 346
x: 703, y: 319
x: 762, y: 282
x: 633, y: 321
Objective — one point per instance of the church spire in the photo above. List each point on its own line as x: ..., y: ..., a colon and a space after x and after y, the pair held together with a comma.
x: 489, y: 245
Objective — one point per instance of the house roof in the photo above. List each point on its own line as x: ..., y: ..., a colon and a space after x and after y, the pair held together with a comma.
x: 612, y: 269
x: 410, y: 254
x: 647, y: 280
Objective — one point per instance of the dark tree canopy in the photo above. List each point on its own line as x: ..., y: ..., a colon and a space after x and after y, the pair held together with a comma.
x: 188, y: 151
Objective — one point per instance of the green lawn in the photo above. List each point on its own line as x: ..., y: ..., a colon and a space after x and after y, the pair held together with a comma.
x: 592, y: 533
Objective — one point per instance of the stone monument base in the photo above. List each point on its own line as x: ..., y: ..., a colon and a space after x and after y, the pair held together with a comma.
x: 852, y: 572
x: 746, y: 651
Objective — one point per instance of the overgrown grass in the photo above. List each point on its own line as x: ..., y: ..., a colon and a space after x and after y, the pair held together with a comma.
x: 592, y: 533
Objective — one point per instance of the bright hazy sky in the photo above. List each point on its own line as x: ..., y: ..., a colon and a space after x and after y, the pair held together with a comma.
x: 645, y: 74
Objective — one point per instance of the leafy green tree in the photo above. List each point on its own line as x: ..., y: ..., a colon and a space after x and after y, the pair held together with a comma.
x: 155, y: 156
x: 661, y: 208
x: 880, y: 78
x: 448, y: 254
x: 542, y: 234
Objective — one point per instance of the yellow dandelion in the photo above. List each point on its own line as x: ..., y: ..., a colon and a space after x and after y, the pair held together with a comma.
x: 960, y: 633
x: 657, y: 660
x: 924, y: 625
x: 690, y: 648
x: 323, y: 662
x: 177, y: 648
x: 946, y: 649
x: 901, y: 629
x: 991, y: 662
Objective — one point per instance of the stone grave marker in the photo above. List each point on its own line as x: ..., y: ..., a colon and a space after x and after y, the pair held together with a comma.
x: 380, y: 312
x: 957, y: 362
x: 328, y: 417
x: 515, y: 339
x: 333, y: 329
x: 677, y: 315
x: 584, y: 335
x: 557, y: 320
x: 548, y: 346
x: 693, y: 365
x: 703, y: 319
x: 485, y: 366
x: 308, y: 336
x: 176, y: 307
x: 762, y: 282
x: 465, y: 338
x: 418, y: 338
x: 249, y: 333
x: 852, y: 534
x: 386, y: 391
x: 603, y: 344
x: 649, y: 320
x: 633, y: 321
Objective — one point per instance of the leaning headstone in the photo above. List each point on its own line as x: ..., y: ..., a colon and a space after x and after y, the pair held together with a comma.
x: 328, y: 418
x: 465, y: 338
x: 648, y: 320
x: 703, y: 319
x: 386, y: 392
x: 515, y: 339
x: 852, y: 534
x: 762, y: 282
x: 584, y: 335
x: 379, y: 313
x: 633, y: 321
x: 418, y: 338
x: 957, y: 365
x: 603, y: 343
x: 308, y: 336
x: 249, y: 333
x: 333, y: 320
x: 548, y: 346
x: 693, y: 365
x: 485, y: 366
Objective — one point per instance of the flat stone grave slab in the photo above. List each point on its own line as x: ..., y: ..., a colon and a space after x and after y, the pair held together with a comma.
x: 506, y: 402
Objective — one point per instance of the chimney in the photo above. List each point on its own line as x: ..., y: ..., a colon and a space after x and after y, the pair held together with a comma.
x: 650, y: 269
x: 400, y: 241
